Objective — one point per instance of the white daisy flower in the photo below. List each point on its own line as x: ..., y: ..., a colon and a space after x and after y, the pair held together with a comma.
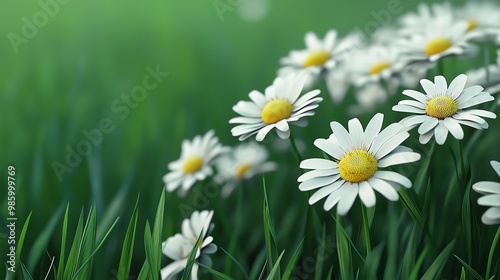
x: 425, y: 17
x: 374, y: 64
x: 491, y: 191
x: 358, y: 157
x: 442, y: 39
x: 444, y: 108
x: 488, y: 77
x: 179, y: 246
x: 482, y: 17
x: 245, y: 161
x: 319, y: 56
x: 371, y: 95
x: 195, y: 163
x: 279, y: 107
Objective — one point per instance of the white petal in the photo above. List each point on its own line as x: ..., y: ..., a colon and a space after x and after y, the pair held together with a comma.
x: 317, y: 163
x: 493, y: 213
x: 475, y: 101
x: 247, y: 109
x: 194, y: 271
x: 372, y: 129
x: 258, y: 98
x: 356, y: 132
x: 457, y: 86
x: 386, y: 134
x: 485, y: 187
x: 384, y: 188
x: 317, y: 173
x: 263, y: 132
x: 428, y: 87
x: 440, y: 133
x: 347, y: 199
x: 282, y: 125
x: 317, y: 183
x: 334, y: 197
x: 306, y: 97
x: 323, y: 192
x: 474, y: 125
x: 496, y: 166
x: 398, y: 158
x: 416, y: 95
x: 366, y: 194
x: 427, y: 125
x: 454, y: 127
x: 283, y: 134
x: 341, y: 134
x: 245, y: 120
x: 168, y: 271
x: 393, y: 177
x: 412, y: 103
x: 329, y: 148
x: 440, y: 85
x: 391, y: 144
x: 482, y: 113
x: 489, y: 200
x: 407, y: 109
x: 414, y: 120
x: 424, y: 138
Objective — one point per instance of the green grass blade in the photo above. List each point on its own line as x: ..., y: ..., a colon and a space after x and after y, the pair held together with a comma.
x: 343, y: 250
x: 318, y: 271
x: 72, y: 262
x: 410, y: 201
x: 291, y: 264
x: 373, y: 262
x: 156, y: 237
x: 269, y: 231
x: 492, y: 252
x: 439, y: 263
x: 89, y: 259
x: 258, y: 265
x: 275, y: 271
x: 469, y: 268
x: 148, y: 246
x: 410, y: 253
x: 215, y: 273
x: 128, y: 244
x: 191, y: 259
x: 22, y: 236
x: 87, y: 246
x: 238, y: 264
x: 62, y: 254
x: 26, y: 273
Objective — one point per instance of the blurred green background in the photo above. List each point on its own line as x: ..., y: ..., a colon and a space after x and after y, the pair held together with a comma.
x: 66, y: 77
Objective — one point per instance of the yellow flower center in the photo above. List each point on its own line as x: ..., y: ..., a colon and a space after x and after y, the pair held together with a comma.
x: 378, y: 67
x: 192, y: 164
x: 441, y: 107
x: 437, y: 45
x: 472, y: 24
x: 357, y: 166
x: 242, y: 169
x: 316, y: 58
x: 276, y: 110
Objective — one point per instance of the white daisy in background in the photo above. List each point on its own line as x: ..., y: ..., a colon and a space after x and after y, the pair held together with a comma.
x: 491, y: 191
x: 488, y: 77
x: 279, y: 107
x: 195, y: 163
x: 338, y: 81
x: 440, y: 39
x: 443, y: 109
x: 425, y: 17
x: 245, y: 161
x: 179, y: 246
x: 374, y: 63
x: 358, y: 157
x: 483, y: 18
x: 371, y: 95
x: 311, y: 61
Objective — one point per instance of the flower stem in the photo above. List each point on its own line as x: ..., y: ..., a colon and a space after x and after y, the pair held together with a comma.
x: 492, y: 251
x: 366, y: 229
x: 294, y: 148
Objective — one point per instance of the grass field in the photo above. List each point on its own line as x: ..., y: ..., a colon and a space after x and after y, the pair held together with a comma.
x: 71, y: 76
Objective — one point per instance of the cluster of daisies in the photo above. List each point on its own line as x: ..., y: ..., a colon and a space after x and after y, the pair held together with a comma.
x: 375, y: 66
x: 357, y: 159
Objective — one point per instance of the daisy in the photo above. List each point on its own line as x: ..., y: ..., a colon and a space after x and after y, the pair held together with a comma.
x: 279, y: 107
x: 179, y: 246
x: 317, y: 56
x: 488, y: 77
x: 195, y: 163
x: 491, y: 191
x: 425, y: 17
x: 443, y: 109
x: 441, y: 38
x: 245, y: 161
x: 482, y: 17
x: 373, y: 64
x: 358, y: 157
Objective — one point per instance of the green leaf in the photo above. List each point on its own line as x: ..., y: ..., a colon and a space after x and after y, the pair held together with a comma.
x: 269, y: 234
x: 62, y: 255
x: 439, y: 263
x: 128, y: 245
x: 410, y: 201
x: 318, y: 271
x: 275, y: 271
x: 410, y: 254
x: 26, y: 273
x: 291, y: 264
x: 72, y: 262
x: 22, y: 236
x: 469, y: 268
x: 215, y: 273
x: 238, y: 264
x: 343, y: 250
x: 191, y: 259
x: 418, y: 264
